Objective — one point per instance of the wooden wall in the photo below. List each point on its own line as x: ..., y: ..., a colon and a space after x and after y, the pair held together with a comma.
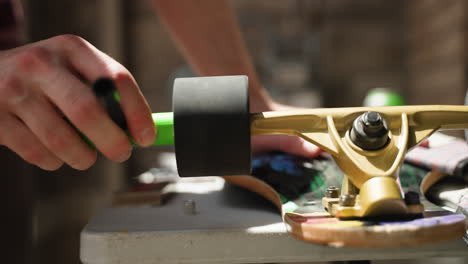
x: 361, y: 49
x: 436, y: 51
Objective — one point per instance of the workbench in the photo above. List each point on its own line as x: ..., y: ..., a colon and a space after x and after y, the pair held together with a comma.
x: 223, y: 224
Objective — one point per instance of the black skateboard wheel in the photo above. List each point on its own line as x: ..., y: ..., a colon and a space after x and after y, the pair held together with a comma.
x: 212, y: 126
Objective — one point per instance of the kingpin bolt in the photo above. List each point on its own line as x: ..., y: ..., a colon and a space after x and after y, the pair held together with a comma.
x: 347, y: 200
x: 372, y: 119
x: 369, y: 131
x: 190, y: 207
x: 332, y: 192
x: 412, y: 198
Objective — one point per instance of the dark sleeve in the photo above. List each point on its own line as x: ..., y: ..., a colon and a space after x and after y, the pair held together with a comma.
x: 11, y: 15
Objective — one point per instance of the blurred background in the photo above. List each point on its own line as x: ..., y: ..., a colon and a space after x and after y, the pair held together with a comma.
x: 308, y: 53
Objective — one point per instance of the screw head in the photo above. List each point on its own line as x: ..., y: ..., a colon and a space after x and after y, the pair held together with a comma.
x: 347, y: 200
x: 190, y: 207
x: 332, y: 192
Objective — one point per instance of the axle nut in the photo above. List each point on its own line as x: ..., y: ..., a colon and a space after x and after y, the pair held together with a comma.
x: 369, y: 131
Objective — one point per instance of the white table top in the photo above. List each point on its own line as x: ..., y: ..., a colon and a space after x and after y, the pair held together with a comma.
x: 231, y: 225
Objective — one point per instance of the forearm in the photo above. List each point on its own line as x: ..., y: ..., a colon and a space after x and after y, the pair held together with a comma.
x: 209, y: 37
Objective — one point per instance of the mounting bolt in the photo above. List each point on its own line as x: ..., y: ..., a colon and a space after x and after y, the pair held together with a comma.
x: 412, y: 198
x: 332, y: 192
x: 190, y: 207
x: 347, y: 200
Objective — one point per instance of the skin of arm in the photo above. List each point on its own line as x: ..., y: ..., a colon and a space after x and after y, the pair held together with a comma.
x: 209, y: 37
x: 207, y: 34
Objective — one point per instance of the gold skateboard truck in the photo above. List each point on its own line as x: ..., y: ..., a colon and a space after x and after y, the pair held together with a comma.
x: 368, y: 144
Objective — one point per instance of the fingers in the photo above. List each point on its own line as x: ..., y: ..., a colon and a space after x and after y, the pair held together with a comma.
x: 54, y: 132
x: 136, y: 110
x: 44, y: 81
x: 40, y: 76
x: 17, y: 137
x: 93, y: 64
x: 289, y: 144
x: 79, y: 104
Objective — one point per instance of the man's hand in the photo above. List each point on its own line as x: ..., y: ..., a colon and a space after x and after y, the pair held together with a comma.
x: 44, y: 82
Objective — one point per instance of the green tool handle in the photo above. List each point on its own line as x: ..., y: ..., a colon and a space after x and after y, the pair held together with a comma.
x: 108, y: 97
x: 164, y: 123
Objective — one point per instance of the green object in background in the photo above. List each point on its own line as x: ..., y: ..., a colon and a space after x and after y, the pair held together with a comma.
x: 164, y: 123
x: 383, y: 97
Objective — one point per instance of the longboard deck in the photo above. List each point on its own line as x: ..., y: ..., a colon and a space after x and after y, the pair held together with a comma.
x: 306, y: 219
